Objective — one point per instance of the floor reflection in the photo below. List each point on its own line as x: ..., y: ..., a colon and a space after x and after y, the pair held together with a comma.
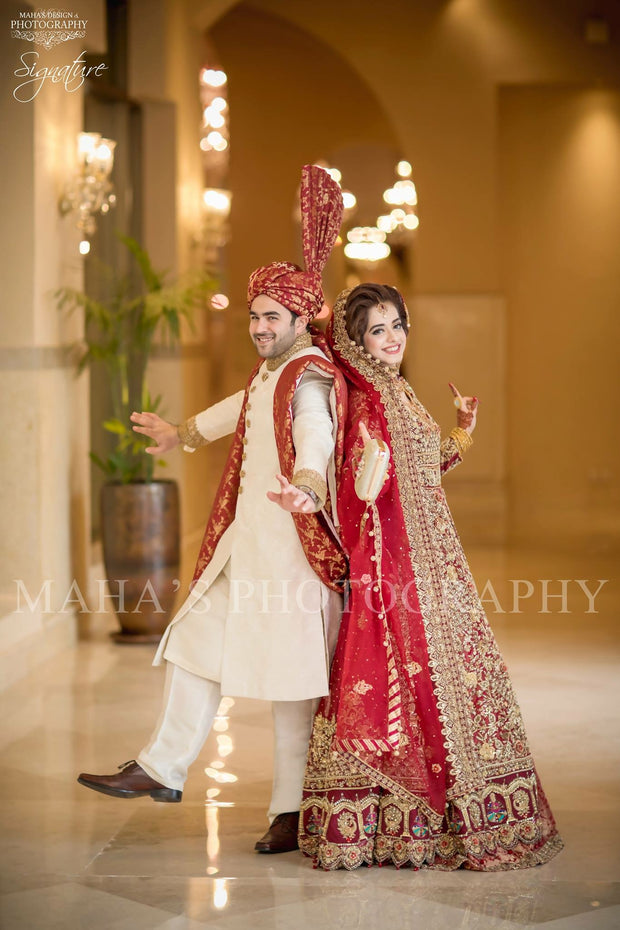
x: 220, y: 894
x: 212, y: 817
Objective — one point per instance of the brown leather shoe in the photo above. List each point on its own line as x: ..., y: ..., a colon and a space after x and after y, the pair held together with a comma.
x: 281, y: 835
x: 131, y: 782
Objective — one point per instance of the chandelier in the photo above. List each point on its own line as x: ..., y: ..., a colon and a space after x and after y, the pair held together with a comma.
x: 366, y: 244
x: 90, y: 191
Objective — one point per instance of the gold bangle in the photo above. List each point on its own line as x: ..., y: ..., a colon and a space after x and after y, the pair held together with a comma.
x: 461, y: 439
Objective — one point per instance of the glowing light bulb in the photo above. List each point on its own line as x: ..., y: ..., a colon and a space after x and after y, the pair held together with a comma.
x: 404, y: 169
x: 366, y: 244
x: 366, y: 234
x: 212, y: 77
x: 217, y: 200
x: 220, y: 302
x: 84, y: 247
x: 367, y: 251
x: 87, y: 145
x: 214, y: 118
x: 215, y: 139
x: 386, y: 223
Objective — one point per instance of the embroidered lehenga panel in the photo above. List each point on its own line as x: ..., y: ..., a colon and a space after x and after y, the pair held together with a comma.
x: 419, y: 755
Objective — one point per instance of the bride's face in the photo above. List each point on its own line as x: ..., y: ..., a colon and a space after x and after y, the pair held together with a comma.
x: 385, y: 337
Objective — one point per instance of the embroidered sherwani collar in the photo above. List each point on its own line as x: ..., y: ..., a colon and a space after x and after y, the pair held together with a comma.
x: 304, y: 341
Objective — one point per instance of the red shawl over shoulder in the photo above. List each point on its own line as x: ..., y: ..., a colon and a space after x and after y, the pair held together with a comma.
x: 321, y: 548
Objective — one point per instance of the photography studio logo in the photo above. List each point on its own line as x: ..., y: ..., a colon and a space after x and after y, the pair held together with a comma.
x: 47, y: 29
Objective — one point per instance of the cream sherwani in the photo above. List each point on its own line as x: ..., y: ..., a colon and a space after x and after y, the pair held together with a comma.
x: 258, y: 620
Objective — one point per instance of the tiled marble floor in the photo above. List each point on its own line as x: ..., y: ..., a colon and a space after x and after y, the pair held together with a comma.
x: 73, y: 858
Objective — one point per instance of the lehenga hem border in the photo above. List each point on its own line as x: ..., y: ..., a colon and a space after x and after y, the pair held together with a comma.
x: 438, y: 854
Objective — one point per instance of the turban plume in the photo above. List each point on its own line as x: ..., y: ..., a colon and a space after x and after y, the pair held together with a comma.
x: 321, y: 214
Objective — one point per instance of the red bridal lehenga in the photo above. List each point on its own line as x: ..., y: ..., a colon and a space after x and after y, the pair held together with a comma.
x: 419, y: 755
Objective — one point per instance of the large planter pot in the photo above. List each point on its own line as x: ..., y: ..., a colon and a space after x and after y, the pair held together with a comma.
x: 141, y: 551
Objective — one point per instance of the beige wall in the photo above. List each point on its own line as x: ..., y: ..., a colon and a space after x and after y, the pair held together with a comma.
x: 560, y: 182
x: 45, y: 486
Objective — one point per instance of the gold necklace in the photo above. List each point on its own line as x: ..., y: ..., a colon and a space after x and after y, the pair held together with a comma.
x: 303, y: 341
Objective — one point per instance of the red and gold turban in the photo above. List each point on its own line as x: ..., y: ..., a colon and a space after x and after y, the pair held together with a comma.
x: 321, y: 214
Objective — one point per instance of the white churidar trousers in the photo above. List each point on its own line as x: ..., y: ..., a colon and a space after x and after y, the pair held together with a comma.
x: 189, y: 708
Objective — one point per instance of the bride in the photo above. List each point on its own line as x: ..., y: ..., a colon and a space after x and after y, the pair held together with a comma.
x: 418, y: 755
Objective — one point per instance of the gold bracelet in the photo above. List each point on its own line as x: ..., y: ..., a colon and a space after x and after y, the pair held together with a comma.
x: 462, y: 440
x: 189, y: 434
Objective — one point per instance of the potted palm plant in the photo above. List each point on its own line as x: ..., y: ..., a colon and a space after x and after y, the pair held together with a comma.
x: 139, y: 513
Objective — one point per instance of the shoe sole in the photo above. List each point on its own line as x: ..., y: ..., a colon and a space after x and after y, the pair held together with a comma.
x: 273, y: 852
x: 167, y: 795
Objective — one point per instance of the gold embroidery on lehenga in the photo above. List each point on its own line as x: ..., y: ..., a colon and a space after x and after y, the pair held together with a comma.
x: 521, y: 801
x: 320, y: 745
x: 392, y: 818
x: 347, y: 824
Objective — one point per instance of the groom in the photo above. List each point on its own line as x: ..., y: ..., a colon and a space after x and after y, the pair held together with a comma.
x: 262, y: 616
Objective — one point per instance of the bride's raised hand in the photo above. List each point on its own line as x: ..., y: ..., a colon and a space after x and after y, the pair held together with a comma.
x: 466, y: 409
x: 363, y: 429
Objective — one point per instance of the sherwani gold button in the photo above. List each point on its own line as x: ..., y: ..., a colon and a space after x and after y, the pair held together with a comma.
x: 247, y: 422
x: 248, y: 406
x: 265, y: 375
x: 243, y: 457
x: 242, y: 473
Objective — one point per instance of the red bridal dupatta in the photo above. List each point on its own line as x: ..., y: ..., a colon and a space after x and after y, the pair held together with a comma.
x: 419, y: 754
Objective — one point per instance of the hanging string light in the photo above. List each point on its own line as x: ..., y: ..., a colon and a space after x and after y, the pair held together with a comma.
x: 402, y: 197
x: 214, y: 145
